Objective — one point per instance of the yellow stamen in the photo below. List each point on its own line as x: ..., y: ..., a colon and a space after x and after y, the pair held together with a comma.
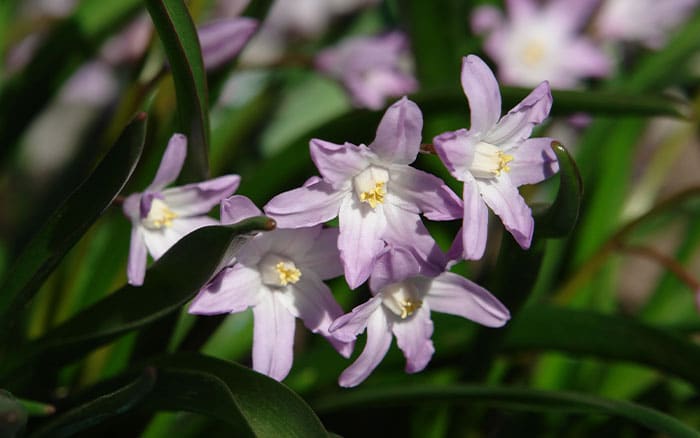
x: 534, y: 53
x: 160, y: 215
x: 503, y: 160
x: 409, y: 306
x: 375, y: 196
x: 288, y: 273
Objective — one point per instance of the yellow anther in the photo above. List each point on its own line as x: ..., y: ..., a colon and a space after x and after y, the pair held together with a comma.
x: 159, y: 216
x: 288, y: 273
x: 503, y: 160
x: 409, y: 306
x: 375, y: 196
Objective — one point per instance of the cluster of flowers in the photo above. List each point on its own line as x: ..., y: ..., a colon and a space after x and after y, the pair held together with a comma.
x: 378, y: 198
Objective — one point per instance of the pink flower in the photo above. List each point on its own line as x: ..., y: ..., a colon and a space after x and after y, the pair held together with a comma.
x: 371, y: 68
x: 402, y: 302
x: 495, y: 156
x: 537, y: 44
x: 160, y: 217
x: 374, y: 192
x: 279, y: 274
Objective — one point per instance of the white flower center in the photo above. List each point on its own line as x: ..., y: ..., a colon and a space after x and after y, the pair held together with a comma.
x: 370, y: 185
x: 489, y: 161
x: 159, y: 216
x: 533, y: 53
x: 278, y: 271
x: 402, y: 299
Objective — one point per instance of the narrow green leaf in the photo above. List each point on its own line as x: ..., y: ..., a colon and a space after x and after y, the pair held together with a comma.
x: 13, y: 417
x: 69, y: 44
x: 507, y: 398
x: 179, y: 37
x: 251, y: 403
x: 172, y: 281
x: 610, y: 337
x: 70, y: 221
x: 559, y: 219
x: 99, y: 409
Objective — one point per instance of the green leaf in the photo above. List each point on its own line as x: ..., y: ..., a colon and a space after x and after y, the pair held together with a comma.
x: 507, y: 398
x: 67, y: 46
x: 172, y: 281
x: 559, y: 219
x: 13, y: 417
x: 251, y: 403
x: 179, y: 37
x: 69, y: 222
x: 99, y: 409
x: 610, y: 337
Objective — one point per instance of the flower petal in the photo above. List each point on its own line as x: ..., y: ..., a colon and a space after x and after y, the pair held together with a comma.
x: 136, y: 264
x: 517, y: 125
x: 312, y: 301
x: 338, y: 163
x: 273, y: 337
x: 293, y: 242
x: 233, y: 290
x: 481, y: 88
x: 399, y: 133
x: 378, y: 343
x: 587, y: 59
x: 533, y: 161
x: 132, y: 207
x: 171, y: 163
x: 425, y: 193
x: 413, y: 338
x: 324, y: 258
x: 198, y: 198
x: 456, y: 150
x: 405, y: 229
x: 475, y: 223
x: 503, y: 198
x: 237, y: 208
x: 359, y: 242
x: 453, y: 294
x: 395, y: 264
x: 221, y: 40
x: 348, y: 326
x: 520, y: 9
x: 306, y: 206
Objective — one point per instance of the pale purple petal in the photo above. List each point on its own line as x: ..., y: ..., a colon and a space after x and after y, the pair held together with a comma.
x: 517, y: 125
x: 311, y: 300
x: 131, y: 207
x: 305, y: 206
x: 160, y: 241
x: 533, y: 161
x: 425, y: 193
x: 485, y: 19
x: 372, y: 89
x: 413, y: 338
x: 136, y: 264
x: 171, y: 163
x: 454, y: 294
x: 237, y: 208
x: 273, y: 337
x: 184, y: 226
x: 347, y: 327
x: 520, y: 9
x: 324, y: 258
x: 480, y: 86
x: 405, y: 229
x: 198, y: 198
x: 292, y: 242
x: 456, y: 150
x: 399, y: 133
x: 221, y: 40
x: 571, y: 13
x: 586, y: 59
x: 503, y: 198
x: 378, y: 343
x: 394, y: 265
x: 361, y: 230
x: 338, y: 163
x: 233, y: 290
x: 475, y: 222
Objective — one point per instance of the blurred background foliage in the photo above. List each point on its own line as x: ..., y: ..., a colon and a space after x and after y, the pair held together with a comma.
x: 605, y: 323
